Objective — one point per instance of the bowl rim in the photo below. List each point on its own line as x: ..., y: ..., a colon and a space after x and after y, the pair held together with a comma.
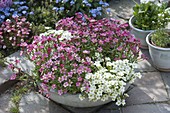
x: 153, y: 46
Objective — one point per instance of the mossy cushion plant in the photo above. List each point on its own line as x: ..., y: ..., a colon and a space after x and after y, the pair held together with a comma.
x: 161, y: 38
x: 151, y: 16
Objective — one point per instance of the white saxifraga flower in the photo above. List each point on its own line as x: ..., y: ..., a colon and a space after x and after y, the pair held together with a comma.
x: 82, y: 89
x: 104, y: 98
x: 97, y: 64
x: 97, y: 55
x: 107, y: 59
x: 118, y: 102
x: 54, y: 32
x: 109, y: 64
x: 81, y: 97
x: 66, y: 35
x: 107, y: 75
x: 138, y: 75
x: 110, y: 81
x: 88, y: 76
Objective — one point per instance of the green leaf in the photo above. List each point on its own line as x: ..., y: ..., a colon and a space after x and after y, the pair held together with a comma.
x: 77, y: 6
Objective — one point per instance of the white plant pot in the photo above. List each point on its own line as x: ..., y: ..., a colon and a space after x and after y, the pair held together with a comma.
x: 160, y: 56
x: 74, y: 101
x: 139, y: 34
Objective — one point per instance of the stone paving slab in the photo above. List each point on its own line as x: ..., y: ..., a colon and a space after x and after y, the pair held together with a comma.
x: 166, y: 79
x: 109, y: 111
x: 5, y: 74
x: 145, y: 66
x: 36, y: 103
x: 152, y: 85
x: 137, y: 96
x: 112, y: 106
x: 147, y: 108
x: 24, y: 64
x: 5, y: 82
x: 109, y: 108
x: 5, y: 103
x: 82, y: 110
x: 122, y: 8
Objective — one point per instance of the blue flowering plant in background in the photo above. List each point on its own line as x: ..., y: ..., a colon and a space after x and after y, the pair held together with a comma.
x: 45, y: 13
x: 9, y: 9
x: 5, y: 3
x: 92, y: 8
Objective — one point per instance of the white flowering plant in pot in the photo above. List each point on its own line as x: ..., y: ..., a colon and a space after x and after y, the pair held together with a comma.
x: 95, y: 59
x: 147, y: 17
x: 110, y: 81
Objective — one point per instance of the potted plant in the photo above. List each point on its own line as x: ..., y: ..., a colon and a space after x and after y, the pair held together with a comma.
x: 84, y: 62
x: 159, y: 48
x: 147, y: 17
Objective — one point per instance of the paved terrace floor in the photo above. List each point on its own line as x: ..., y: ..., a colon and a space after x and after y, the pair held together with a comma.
x: 150, y: 94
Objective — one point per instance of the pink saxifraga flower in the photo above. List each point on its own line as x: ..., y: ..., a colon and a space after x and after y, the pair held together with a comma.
x: 84, y: 40
x: 65, y: 84
x: 13, y: 76
x: 60, y: 92
x: 21, y: 53
x: 17, y: 61
x: 64, y: 78
x: 11, y: 66
x: 100, y: 49
x: 70, y: 74
x: 33, y: 58
x: 24, y: 44
x: 101, y: 42
x: 60, y: 79
x: 78, y: 84
x: 94, y: 40
x: 53, y: 86
x: 44, y: 87
x: 120, y: 48
x: 80, y: 79
x: 87, y: 89
x: 86, y: 52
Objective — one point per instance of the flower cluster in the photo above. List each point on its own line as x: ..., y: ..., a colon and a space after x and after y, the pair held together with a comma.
x: 109, y: 81
x: 13, y: 32
x: 59, y: 66
x: 64, y: 57
x: 153, y: 15
x: 20, y: 8
x: 89, y: 7
x: 17, y: 8
x: 5, y: 3
x: 106, y: 36
x: 46, y: 13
